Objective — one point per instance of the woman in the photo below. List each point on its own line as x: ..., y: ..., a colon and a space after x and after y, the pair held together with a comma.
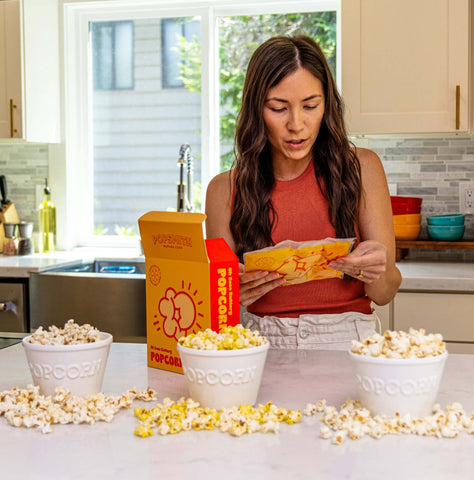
x: 297, y: 177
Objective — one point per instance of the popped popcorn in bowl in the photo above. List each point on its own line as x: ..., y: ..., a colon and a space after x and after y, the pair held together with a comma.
x: 400, y: 344
x: 71, y: 334
x: 228, y: 338
x: 223, y: 369
x: 399, y: 372
x: 74, y: 357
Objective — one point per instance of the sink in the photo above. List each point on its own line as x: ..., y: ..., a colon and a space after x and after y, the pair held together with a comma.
x: 106, y: 265
x: 106, y: 293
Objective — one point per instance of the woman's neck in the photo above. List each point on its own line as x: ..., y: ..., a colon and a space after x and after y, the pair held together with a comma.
x: 286, y: 171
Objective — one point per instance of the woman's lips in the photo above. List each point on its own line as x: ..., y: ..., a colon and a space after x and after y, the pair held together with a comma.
x: 296, y: 143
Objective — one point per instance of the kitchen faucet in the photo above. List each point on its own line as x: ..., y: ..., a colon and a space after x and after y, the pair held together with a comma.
x: 185, y: 200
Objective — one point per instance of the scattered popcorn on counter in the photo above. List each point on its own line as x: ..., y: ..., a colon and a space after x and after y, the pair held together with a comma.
x: 28, y: 408
x: 172, y: 417
x: 393, y: 344
x: 355, y: 422
x: 71, y: 334
x: 229, y: 338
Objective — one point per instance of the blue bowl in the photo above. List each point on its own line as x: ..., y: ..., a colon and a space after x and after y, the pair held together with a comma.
x: 446, y: 233
x: 446, y: 220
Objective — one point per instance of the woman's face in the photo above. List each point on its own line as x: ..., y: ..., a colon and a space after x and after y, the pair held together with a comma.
x: 293, y: 112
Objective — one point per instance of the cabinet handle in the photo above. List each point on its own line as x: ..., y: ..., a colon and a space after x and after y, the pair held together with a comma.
x: 458, y: 104
x: 13, y: 130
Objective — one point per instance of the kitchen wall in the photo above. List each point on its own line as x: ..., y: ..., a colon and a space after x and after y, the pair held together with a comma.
x: 429, y: 167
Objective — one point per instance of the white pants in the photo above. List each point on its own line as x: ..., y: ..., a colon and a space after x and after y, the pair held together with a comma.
x: 313, y: 332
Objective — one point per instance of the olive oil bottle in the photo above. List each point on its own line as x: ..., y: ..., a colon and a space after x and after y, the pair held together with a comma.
x: 47, y: 222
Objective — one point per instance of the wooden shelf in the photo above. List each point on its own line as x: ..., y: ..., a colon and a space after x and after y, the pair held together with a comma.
x: 403, y: 246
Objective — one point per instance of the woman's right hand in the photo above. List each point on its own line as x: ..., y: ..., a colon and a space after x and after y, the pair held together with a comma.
x: 253, y: 285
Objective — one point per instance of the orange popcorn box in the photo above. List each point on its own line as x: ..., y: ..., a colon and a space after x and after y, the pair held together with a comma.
x: 191, y: 283
x: 299, y: 262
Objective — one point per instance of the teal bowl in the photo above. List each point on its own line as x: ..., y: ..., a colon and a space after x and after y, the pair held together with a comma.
x: 446, y: 220
x: 446, y: 233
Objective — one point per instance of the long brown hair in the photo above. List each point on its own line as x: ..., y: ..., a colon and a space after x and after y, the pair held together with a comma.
x: 336, y: 165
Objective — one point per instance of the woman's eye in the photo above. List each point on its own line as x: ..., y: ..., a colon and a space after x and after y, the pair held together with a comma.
x: 278, y: 109
x: 310, y: 107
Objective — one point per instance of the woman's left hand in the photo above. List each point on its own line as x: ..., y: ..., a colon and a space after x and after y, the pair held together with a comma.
x: 367, y: 262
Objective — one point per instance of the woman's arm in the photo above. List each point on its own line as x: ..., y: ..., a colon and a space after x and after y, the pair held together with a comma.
x: 374, y: 257
x: 218, y: 208
x: 252, y: 285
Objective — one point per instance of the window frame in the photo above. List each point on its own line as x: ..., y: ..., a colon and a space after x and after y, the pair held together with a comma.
x: 71, y: 161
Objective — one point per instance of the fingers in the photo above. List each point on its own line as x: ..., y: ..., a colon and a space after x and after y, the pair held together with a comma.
x: 367, y: 262
x: 253, y: 285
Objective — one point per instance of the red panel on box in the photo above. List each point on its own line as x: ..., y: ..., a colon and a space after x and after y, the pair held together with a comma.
x: 224, y: 284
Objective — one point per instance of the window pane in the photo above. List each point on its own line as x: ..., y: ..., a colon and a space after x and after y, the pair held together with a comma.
x: 179, y: 35
x: 239, y: 36
x: 102, y: 38
x: 137, y: 135
x: 124, y: 45
x: 172, y: 30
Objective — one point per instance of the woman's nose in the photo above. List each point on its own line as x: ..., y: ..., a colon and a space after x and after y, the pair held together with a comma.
x: 295, y: 121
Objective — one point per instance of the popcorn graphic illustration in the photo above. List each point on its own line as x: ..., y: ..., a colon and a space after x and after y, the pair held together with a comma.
x: 178, y: 311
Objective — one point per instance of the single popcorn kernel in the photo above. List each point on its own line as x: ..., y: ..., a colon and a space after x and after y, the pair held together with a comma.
x: 229, y: 338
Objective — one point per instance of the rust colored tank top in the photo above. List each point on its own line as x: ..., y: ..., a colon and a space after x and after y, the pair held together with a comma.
x: 302, y: 214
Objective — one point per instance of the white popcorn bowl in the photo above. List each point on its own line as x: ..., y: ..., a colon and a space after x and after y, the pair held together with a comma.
x: 223, y: 378
x: 80, y: 368
x: 406, y: 386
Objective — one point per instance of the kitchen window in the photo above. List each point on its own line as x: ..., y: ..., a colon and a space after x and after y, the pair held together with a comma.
x: 122, y: 145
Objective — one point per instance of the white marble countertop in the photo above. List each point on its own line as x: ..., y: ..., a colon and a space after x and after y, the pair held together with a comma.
x: 437, y: 276
x: 111, y: 451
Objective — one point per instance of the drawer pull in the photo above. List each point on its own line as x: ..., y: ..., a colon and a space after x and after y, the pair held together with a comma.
x: 13, y: 130
x: 458, y: 105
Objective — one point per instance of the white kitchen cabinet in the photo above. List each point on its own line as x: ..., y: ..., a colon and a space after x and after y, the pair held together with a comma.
x: 450, y: 314
x: 402, y: 64
x: 29, y: 70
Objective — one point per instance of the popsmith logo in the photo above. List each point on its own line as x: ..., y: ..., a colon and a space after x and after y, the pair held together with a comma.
x: 179, y: 310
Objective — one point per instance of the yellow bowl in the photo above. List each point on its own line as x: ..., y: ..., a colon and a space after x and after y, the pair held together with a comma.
x: 407, y: 232
x: 408, y: 219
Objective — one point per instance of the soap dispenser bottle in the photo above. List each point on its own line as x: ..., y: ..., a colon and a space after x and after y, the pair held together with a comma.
x: 47, y: 222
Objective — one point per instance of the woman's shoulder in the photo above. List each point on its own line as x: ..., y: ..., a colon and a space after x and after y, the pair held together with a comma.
x: 370, y: 163
x: 366, y: 156
x: 220, y: 185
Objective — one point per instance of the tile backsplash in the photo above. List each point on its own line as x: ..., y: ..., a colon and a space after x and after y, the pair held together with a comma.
x: 427, y: 167
x: 25, y: 166
x: 431, y: 168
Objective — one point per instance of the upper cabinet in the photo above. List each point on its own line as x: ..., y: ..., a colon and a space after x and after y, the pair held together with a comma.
x: 29, y: 70
x: 10, y: 70
x: 405, y: 66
